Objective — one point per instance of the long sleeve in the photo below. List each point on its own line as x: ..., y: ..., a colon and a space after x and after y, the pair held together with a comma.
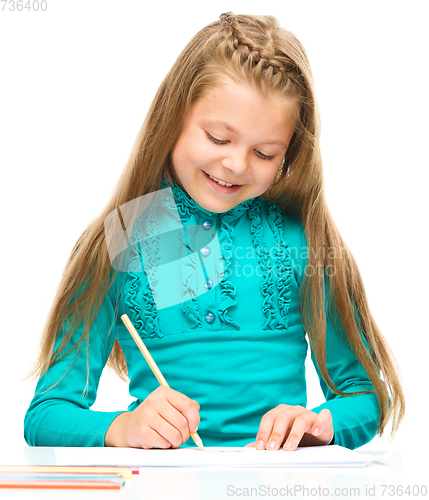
x: 61, y: 416
x: 355, y: 418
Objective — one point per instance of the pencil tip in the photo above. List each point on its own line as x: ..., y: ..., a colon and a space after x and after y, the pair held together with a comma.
x: 200, y: 444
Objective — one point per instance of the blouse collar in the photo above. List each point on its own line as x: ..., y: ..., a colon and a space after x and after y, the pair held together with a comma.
x: 184, y: 200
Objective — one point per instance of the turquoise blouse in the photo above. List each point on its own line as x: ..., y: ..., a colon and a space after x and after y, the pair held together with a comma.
x: 238, y: 348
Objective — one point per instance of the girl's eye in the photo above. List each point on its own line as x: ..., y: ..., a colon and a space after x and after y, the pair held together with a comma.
x: 258, y: 153
x: 216, y: 141
x: 264, y: 157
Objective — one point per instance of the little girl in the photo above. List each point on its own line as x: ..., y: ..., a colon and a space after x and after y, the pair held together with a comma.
x: 233, y: 135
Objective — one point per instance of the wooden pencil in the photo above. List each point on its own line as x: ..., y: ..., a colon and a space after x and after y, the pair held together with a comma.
x: 153, y: 366
x: 125, y: 472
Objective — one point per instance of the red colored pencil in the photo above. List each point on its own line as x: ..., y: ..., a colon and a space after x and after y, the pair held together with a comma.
x: 91, y: 485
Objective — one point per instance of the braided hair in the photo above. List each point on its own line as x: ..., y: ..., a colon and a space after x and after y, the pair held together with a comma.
x: 245, y: 49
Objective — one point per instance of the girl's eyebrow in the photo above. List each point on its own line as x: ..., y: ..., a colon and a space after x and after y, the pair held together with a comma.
x: 236, y: 132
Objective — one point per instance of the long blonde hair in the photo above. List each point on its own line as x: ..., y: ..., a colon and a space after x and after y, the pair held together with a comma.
x: 257, y: 51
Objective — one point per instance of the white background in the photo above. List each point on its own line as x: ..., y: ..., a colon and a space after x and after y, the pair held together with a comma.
x: 76, y: 83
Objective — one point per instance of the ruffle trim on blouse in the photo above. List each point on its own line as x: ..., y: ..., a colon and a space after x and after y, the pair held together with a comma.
x: 187, y: 210
x: 189, y: 274
x: 147, y: 324
x: 283, y: 262
x: 228, y: 291
x: 267, y: 286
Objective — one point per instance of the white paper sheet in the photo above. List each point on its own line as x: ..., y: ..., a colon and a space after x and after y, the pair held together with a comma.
x: 314, y: 456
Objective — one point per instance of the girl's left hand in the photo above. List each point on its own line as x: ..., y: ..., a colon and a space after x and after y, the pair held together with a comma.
x: 293, y: 426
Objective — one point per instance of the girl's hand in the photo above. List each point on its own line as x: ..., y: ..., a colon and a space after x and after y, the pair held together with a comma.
x: 291, y: 426
x: 164, y: 420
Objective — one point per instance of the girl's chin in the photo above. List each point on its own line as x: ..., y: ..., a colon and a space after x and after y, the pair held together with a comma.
x: 212, y: 207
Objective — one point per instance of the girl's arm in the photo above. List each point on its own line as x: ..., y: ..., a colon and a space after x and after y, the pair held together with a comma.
x: 61, y: 416
x: 355, y: 418
x: 346, y: 421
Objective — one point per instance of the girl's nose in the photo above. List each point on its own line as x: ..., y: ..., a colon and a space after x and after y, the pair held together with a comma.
x: 236, y: 163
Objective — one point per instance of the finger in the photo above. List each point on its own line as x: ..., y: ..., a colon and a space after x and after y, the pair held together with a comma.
x: 301, y: 424
x: 156, y: 432
x: 197, y: 405
x: 282, y: 423
x: 323, y: 425
x: 187, y: 407
x: 177, y: 432
x: 265, y: 428
x: 250, y: 445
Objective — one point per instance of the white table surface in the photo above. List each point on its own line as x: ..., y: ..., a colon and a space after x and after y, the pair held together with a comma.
x: 383, y: 478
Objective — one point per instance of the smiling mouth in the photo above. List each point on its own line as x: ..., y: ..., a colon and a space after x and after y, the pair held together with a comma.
x: 221, y: 182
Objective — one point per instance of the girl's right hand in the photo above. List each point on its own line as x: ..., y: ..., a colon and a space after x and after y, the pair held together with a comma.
x: 164, y: 420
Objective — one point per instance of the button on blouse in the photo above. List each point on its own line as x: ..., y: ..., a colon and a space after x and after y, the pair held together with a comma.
x: 205, y: 251
x: 210, y: 317
x: 207, y: 224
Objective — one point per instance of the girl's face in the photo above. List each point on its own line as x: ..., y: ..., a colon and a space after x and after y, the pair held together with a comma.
x: 236, y: 136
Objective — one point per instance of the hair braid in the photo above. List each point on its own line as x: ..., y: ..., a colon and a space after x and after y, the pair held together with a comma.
x: 247, y: 48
